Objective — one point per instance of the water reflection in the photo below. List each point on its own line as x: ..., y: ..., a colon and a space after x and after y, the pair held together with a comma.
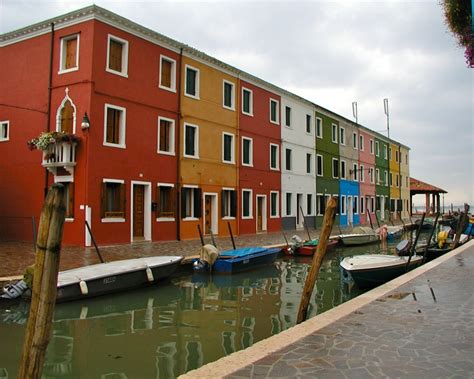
x: 166, y: 330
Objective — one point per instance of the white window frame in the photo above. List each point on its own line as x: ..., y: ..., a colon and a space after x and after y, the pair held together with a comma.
x: 342, y: 204
x: 164, y: 219
x: 232, y: 95
x: 361, y: 205
x: 355, y: 201
x: 386, y: 178
x: 377, y: 176
x: 193, y: 217
x: 250, y: 112
x: 371, y: 146
x: 377, y: 149
x: 232, y: 148
x: 310, y: 133
x: 336, y: 134
x: 123, y: 126
x: 312, y: 204
x: 354, y: 141
x: 250, y: 216
x: 277, y: 168
x: 385, y: 152
x: 228, y: 193
x: 113, y: 219
x: 197, y: 84
x: 291, y: 117
x: 277, y: 108
x: 291, y: 160
x: 196, y: 141
x: 124, y: 71
x: 286, y: 204
x: 342, y: 171
x: 310, y: 164
x: 3, y: 124
x: 322, y: 165
x: 362, y: 176
x: 355, y: 167
x: 62, y: 54
x: 332, y: 168
x: 250, y: 164
x: 342, y: 136
x: 361, y: 142
x: 319, y: 135
x: 371, y: 175
x: 172, y: 136
x: 173, y: 73
x: 277, y: 215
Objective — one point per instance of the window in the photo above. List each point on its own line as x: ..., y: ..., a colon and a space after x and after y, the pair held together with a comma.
x: 385, y: 154
x: 191, y: 84
x: 406, y: 180
x: 274, y: 204
x: 167, y: 73
x: 361, y: 142
x: 228, y: 95
x: 371, y: 173
x: 354, y: 140
x: 355, y: 169
x: 396, y: 180
x: 320, y: 205
x: 362, y: 209
x: 335, y: 168
x: 288, y: 203
x: 229, y: 203
x: 288, y: 164
x: 392, y: 204
x: 166, y: 201
x: 113, y: 199
x: 274, y: 157
x: 378, y: 203
x: 319, y: 163
x: 69, y: 54
x: 343, y: 204
x: 390, y: 181
x: 396, y: 155
x: 377, y: 176
x: 165, y: 136
x: 114, y: 130
x: 247, y: 101
x: 191, y: 141
x: 342, y: 135
x: 288, y: 116
x: 309, y: 159
x: 390, y: 154
x: 66, y: 118
x: 377, y: 148
x: 362, y: 176
x: 69, y: 199
x: 228, y: 150
x: 334, y: 133
x: 274, y: 114
x: 372, y: 204
x: 117, y: 56
x: 371, y: 143
x: 190, y: 202
x: 247, y: 151
x: 247, y: 203
x: 309, y: 204
x: 4, y: 130
x: 386, y: 178
x: 355, y: 205
x: 319, y: 127
x: 308, y: 124
x: 343, y: 169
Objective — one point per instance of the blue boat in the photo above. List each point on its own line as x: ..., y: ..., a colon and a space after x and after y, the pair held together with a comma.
x: 238, y: 260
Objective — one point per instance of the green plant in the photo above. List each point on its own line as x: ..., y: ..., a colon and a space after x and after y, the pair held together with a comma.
x: 46, y: 139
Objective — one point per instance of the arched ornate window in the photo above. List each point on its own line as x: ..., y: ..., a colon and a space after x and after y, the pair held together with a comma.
x: 66, y: 115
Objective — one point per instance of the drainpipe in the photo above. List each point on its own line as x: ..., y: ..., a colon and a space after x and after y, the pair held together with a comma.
x: 178, y: 151
x: 50, y: 85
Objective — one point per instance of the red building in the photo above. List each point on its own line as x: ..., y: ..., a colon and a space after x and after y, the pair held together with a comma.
x: 259, y: 165
x: 121, y: 175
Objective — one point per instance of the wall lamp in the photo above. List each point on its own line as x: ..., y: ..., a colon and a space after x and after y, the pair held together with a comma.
x: 85, y: 122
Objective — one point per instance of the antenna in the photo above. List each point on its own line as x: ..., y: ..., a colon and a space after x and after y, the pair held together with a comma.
x: 354, y: 110
x: 385, y: 108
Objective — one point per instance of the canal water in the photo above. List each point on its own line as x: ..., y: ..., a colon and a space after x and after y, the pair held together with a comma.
x: 177, y: 325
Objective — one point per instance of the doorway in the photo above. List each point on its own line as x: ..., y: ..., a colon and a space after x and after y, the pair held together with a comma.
x: 210, y: 213
x: 141, y: 211
x: 299, y: 216
x: 350, y: 211
x: 261, y: 213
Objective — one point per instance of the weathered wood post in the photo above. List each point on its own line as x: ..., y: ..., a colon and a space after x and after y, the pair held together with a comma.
x: 48, y: 247
x: 328, y: 222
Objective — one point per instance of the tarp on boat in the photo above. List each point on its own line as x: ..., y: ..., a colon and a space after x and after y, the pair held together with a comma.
x: 243, y: 252
x: 362, y: 230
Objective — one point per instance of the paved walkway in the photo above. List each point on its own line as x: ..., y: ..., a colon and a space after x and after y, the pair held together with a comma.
x: 420, y: 325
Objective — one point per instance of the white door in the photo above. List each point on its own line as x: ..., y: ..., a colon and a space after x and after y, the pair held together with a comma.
x: 350, y: 208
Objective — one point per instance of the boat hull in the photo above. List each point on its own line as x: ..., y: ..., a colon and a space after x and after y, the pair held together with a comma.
x: 354, y: 240
x: 245, y: 262
x: 309, y: 250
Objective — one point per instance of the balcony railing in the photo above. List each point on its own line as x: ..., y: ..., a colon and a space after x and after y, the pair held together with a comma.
x: 60, y: 154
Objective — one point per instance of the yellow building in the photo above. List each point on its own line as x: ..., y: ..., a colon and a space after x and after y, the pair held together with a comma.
x: 394, y: 179
x: 404, y: 159
x: 208, y: 138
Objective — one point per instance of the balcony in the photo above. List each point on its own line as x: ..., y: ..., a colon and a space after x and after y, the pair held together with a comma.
x: 60, y: 155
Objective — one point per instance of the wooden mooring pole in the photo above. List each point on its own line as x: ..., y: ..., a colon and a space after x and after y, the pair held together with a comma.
x: 40, y: 320
x: 328, y: 221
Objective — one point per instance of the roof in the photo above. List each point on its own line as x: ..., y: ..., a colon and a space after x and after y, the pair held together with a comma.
x: 417, y: 187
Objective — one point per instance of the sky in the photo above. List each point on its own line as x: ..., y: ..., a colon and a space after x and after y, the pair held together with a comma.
x: 332, y: 53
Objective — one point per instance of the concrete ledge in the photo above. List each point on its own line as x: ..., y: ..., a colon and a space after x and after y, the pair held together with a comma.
x: 243, y: 358
x: 7, y: 279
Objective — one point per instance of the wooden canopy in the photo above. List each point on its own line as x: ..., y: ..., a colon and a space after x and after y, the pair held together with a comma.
x: 417, y: 187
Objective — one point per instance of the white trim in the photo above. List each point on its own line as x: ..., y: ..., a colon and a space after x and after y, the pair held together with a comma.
x: 361, y: 145
x: 250, y: 216
x: 290, y: 161
x: 277, y: 157
x: 355, y: 200
x: 165, y: 185
x: 334, y: 140
x: 165, y: 219
x: 232, y: 95
x: 106, y: 180
x: 250, y: 113
x: 112, y: 219
x: 310, y: 133
x: 264, y: 212
x: 355, y: 168
x: 124, y: 71
x: 197, y: 83
x: 250, y: 164
x: 173, y: 73
x: 277, y: 215
x: 361, y: 174
x: 290, y: 125
x: 62, y: 57
x: 214, y: 209
x: 228, y: 189
x: 342, y: 136
x: 286, y: 204
x: 146, y: 209
x: 123, y: 125
x: 377, y: 149
x: 2, y: 123
x: 172, y: 136
x: 61, y: 106
x: 64, y: 179
x: 277, y: 110
x: 341, y: 161
x: 332, y: 168
x: 190, y: 186
x: 322, y: 165
x: 371, y: 146
x: 312, y: 204
x: 196, y: 141
x: 310, y: 164
x: 232, y: 148
x: 342, y: 201
x: 321, y: 128
x: 354, y: 141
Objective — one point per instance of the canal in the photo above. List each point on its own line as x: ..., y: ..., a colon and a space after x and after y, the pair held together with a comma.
x: 177, y: 325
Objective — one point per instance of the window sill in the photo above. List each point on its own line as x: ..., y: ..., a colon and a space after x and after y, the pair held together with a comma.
x: 191, y: 156
x: 119, y: 73
x: 4, y: 139
x: 65, y: 71
x: 228, y: 218
x: 276, y: 216
x: 247, y: 114
x: 275, y: 122
x: 274, y: 169
x: 247, y: 165
x: 190, y: 219
x: 165, y: 219
x: 169, y: 89
x: 113, y: 219
x: 195, y: 97
x: 118, y: 146
x: 247, y: 217
x: 229, y: 162
x: 172, y: 153
x: 229, y: 108
x: 320, y: 137
x: 69, y: 219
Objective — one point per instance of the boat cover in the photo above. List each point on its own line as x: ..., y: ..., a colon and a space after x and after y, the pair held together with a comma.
x: 243, y: 252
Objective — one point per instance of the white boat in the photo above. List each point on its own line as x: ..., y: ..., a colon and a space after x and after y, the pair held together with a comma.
x: 359, y: 235
x: 393, y: 231
x: 370, y: 270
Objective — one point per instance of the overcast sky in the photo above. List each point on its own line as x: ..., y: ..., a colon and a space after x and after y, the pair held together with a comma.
x: 331, y: 53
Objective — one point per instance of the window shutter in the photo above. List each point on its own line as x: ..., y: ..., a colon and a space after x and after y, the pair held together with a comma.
x: 67, y: 117
x: 173, y: 200
x: 233, y: 203
x: 197, y: 202
x: 117, y: 115
x: 70, y: 205
x: 223, y: 203
x: 166, y: 73
x: 115, y: 57
x: 71, y: 49
x: 103, y: 200
x: 123, y: 199
x: 183, y: 202
x: 158, y: 203
x: 110, y: 125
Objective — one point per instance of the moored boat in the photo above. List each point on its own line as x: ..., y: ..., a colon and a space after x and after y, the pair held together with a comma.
x: 309, y: 248
x: 359, y: 235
